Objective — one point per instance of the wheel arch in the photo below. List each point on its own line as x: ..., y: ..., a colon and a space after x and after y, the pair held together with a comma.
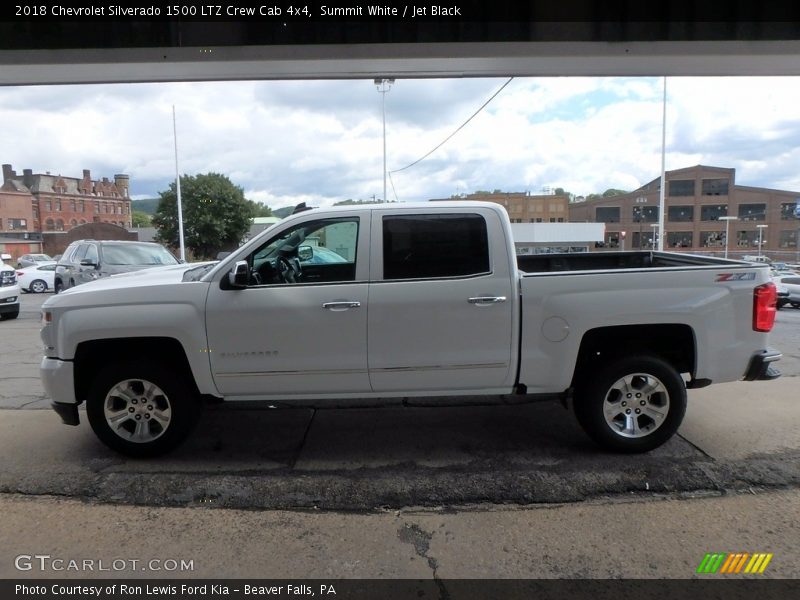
x: 673, y: 342
x: 162, y: 350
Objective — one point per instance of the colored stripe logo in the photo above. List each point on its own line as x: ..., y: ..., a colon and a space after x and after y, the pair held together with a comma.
x: 734, y: 563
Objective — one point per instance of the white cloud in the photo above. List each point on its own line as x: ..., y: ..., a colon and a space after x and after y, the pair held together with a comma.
x: 321, y: 141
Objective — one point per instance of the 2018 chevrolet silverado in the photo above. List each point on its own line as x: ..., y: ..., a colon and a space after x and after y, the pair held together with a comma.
x: 427, y: 300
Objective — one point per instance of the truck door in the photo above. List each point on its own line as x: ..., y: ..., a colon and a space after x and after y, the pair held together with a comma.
x: 441, y: 312
x: 300, y: 326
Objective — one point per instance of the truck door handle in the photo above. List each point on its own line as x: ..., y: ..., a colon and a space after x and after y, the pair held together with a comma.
x: 343, y: 305
x: 486, y: 300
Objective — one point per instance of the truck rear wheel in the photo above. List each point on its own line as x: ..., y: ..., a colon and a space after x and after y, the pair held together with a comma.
x: 140, y: 409
x: 632, y: 404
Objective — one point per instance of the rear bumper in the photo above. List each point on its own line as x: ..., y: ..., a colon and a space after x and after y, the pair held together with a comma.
x: 760, y: 367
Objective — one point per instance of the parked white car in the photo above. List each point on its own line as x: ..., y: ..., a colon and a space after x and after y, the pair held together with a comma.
x: 790, y: 284
x: 37, y: 279
x: 9, y: 290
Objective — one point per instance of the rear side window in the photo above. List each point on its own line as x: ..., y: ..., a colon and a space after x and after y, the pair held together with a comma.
x: 433, y: 246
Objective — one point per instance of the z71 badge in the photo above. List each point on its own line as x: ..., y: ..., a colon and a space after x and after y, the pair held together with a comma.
x: 748, y: 276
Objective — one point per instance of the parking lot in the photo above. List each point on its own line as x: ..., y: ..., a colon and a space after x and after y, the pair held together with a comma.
x: 738, y: 438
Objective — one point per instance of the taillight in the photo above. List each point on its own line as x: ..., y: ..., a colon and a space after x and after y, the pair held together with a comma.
x: 765, y: 298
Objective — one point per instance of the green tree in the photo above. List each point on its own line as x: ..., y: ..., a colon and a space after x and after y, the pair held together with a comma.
x: 140, y: 219
x: 258, y: 210
x: 216, y: 214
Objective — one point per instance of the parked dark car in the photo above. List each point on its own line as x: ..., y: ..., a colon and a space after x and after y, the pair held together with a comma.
x: 87, y: 260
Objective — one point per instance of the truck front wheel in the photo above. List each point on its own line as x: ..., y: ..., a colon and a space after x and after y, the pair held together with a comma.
x: 632, y: 404
x: 140, y: 409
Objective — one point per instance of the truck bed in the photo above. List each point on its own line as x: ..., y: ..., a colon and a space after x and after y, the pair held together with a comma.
x: 598, y: 261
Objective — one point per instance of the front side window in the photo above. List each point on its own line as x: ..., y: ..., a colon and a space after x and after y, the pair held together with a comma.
x: 320, y: 251
x: 434, y: 246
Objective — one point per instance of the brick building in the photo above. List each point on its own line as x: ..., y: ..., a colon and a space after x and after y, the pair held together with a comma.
x: 523, y: 207
x: 59, y: 203
x: 696, y: 198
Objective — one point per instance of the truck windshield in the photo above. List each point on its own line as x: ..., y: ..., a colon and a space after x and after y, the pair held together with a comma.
x: 130, y: 254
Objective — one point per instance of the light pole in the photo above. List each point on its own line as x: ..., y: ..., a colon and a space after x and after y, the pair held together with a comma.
x: 760, y: 237
x: 727, y: 222
x: 384, y: 85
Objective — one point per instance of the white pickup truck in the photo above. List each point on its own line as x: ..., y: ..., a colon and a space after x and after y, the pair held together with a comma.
x: 401, y: 300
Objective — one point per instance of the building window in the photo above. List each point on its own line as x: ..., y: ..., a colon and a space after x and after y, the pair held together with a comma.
x: 48, y: 206
x: 50, y: 225
x: 607, y: 214
x: 680, y: 239
x: 712, y: 212
x: 96, y: 208
x: 681, y: 187
x: 749, y: 239
x: 752, y: 212
x: 16, y: 224
x: 81, y: 206
x: 712, y: 239
x: 645, y: 214
x: 715, y: 187
x: 538, y: 219
x: 59, y: 225
x: 552, y: 219
x: 680, y: 214
x: 789, y: 210
x: 58, y: 205
x: 560, y: 219
x: 72, y: 205
x: 645, y: 239
x: 73, y: 223
x: 105, y: 207
x: 788, y: 239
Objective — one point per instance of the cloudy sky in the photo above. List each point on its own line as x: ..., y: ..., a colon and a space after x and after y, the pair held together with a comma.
x: 321, y: 141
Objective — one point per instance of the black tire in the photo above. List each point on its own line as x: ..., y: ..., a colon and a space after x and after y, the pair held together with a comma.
x: 58, y: 286
x: 9, y: 315
x: 604, y: 383
x: 38, y: 286
x: 795, y: 304
x: 177, y: 396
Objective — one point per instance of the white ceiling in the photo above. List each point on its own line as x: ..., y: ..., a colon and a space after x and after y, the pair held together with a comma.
x: 364, y: 61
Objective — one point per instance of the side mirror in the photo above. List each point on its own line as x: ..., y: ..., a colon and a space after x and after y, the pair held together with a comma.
x: 305, y: 253
x: 239, y: 275
x: 87, y: 262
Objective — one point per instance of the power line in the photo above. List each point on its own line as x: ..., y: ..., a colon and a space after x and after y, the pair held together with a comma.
x: 457, y: 130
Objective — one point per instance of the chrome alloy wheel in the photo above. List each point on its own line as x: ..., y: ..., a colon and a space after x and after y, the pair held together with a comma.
x: 636, y: 405
x: 137, y: 410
